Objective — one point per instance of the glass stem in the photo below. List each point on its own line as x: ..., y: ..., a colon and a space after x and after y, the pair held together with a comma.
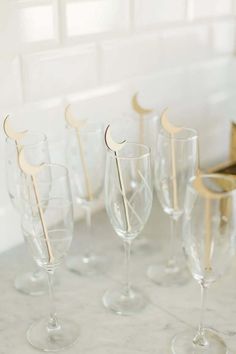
x: 88, y: 215
x: 200, y: 338
x: 53, y: 321
x: 127, y: 246
x: 171, y: 262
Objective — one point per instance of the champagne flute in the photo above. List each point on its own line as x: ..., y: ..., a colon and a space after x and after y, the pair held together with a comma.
x: 145, y: 131
x: 47, y: 224
x: 209, y: 246
x: 176, y: 162
x: 128, y: 206
x: 36, y: 149
x: 86, y: 160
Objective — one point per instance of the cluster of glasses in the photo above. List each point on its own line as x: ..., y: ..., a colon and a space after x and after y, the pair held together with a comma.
x: 169, y: 162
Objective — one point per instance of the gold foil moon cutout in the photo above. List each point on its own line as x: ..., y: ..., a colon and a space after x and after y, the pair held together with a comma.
x: 74, y: 123
x: 137, y: 107
x: 204, y: 191
x: 27, y: 168
x: 169, y: 127
x: 10, y: 132
x: 110, y: 143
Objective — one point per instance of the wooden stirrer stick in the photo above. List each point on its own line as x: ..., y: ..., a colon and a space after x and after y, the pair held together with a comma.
x: 208, y: 195
x: 172, y: 130
x: 32, y: 171
x: 77, y: 125
x: 142, y: 112
x: 115, y: 147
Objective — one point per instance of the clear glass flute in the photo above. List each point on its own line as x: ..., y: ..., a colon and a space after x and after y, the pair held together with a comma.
x: 176, y: 163
x: 47, y: 224
x: 145, y: 131
x: 86, y: 161
x: 209, y: 246
x: 36, y: 149
x: 128, y: 197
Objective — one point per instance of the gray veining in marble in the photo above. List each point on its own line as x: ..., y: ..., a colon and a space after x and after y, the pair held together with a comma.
x: 170, y: 310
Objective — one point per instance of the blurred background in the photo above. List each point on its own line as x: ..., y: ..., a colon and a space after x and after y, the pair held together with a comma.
x: 95, y: 54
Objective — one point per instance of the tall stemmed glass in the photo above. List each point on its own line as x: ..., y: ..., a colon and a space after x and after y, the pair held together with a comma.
x: 128, y: 196
x: 176, y: 163
x: 86, y: 161
x: 47, y: 224
x: 36, y: 149
x: 145, y: 131
x: 209, y: 245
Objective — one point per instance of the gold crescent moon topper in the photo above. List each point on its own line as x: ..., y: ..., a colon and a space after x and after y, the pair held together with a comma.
x: 166, y: 125
x: 110, y: 143
x: 138, y: 108
x: 10, y: 132
x: 204, y: 191
x: 28, y: 169
x: 32, y: 171
x: 74, y: 123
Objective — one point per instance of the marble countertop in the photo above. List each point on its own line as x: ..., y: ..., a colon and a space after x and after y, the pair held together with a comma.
x: 170, y: 310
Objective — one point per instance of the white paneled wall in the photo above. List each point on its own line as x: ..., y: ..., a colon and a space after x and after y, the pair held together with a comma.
x: 210, y: 8
x: 96, y: 53
x: 53, y: 73
x: 162, y: 11
x: 97, y: 16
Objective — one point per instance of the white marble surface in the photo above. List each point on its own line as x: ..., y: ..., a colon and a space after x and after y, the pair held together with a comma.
x: 170, y: 310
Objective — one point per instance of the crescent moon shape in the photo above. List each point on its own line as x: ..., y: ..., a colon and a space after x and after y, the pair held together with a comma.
x: 110, y: 143
x: 74, y: 123
x: 136, y: 106
x: 10, y: 133
x: 170, y: 128
x: 27, y: 168
x: 204, y: 191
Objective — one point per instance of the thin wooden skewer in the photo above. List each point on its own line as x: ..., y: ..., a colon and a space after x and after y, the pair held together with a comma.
x: 122, y: 191
x: 173, y: 166
x: 84, y: 166
x: 28, y: 170
x: 208, y: 236
x: 115, y: 147
x: 141, y: 112
x: 208, y: 195
x: 172, y: 130
x: 32, y: 172
x: 141, y: 129
x: 77, y: 126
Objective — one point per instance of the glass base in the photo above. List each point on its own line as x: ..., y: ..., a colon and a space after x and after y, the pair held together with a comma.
x: 123, y: 303
x: 32, y: 283
x: 40, y: 337
x: 87, y: 265
x: 183, y: 344
x: 167, y: 277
